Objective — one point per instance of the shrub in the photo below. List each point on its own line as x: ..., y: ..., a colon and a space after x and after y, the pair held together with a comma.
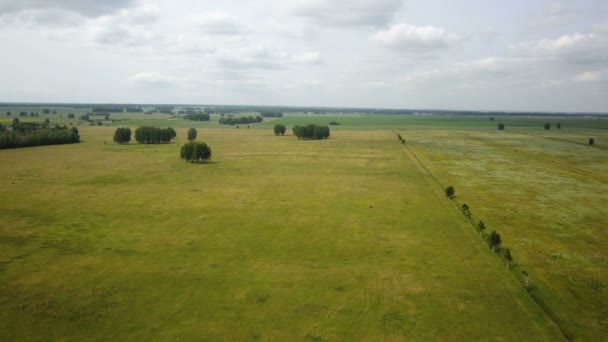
x: 501, y: 126
x: 449, y: 191
x: 192, y: 134
x: 547, y: 126
x: 591, y: 141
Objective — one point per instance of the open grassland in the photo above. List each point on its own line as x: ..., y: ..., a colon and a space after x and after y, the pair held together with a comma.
x: 275, y: 239
x: 546, y: 193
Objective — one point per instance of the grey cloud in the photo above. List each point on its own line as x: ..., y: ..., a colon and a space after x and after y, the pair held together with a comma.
x: 349, y: 12
x: 89, y: 8
x: 406, y: 37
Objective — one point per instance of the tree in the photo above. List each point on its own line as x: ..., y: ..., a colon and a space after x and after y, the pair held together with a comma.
x: 526, y: 278
x: 8, y: 114
x: 508, y: 257
x: 16, y: 123
x: 279, y: 129
x: 494, y: 240
x: 547, y: 126
x: 195, y: 151
x: 558, y: 125
x: 192, y: 134
x: 122, y: 135
x: 591, y: 141
x: 466, y: 211
x: 449, y: 191
x: 46, y: 111
x: 70, y: 115
x: 491, y: 118
x: 501, y: 126
x: 481, y: 227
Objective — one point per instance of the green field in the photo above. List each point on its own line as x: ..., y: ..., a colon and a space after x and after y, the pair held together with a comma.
x: 349, y: 238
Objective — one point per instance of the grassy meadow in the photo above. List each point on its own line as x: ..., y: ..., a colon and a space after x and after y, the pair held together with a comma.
x: 349, y: 238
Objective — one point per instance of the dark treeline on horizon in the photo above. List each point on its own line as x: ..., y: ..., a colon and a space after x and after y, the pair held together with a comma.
x: 168, y: 108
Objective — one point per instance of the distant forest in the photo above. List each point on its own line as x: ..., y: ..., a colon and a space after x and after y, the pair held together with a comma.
x: 265, y: 110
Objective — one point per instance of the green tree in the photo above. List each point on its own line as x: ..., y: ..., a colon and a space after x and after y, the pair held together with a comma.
x: 481, y: 227
x: 449, y: 191
x: 501, y: 126
x: 279, y: 129
x: 122, y: 135
x: 508, y: 257
x: 547, y: 126
x: 591, y: 141
x: 195, y: 151
x: 192, y: 134
x: 558, y: 125
x: 494, y: 240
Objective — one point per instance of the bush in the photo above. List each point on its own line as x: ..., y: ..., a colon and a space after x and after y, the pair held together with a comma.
x: 449, y: 191
x: 558, y: 125
x: 195, y: 151
x: 591, y: 141
x: 547, y: 126
x: 501, y: 126
x: 122, y: 135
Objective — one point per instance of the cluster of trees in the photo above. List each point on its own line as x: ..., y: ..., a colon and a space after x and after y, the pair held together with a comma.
x: 311, y: 131
x: 279, y: 129
x: 154, y: 135
x: 241, y: 120
x: 271, y: 114
x: 195, y: 151
x: 122, y: 135
x: 23, y: 135
x: 165, y: 109
x: 197, y: 117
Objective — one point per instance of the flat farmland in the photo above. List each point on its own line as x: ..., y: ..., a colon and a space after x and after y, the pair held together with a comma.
x: 274, y: 239
x: 545, y: 193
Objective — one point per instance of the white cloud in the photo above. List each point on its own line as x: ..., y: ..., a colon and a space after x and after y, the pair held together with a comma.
x: 151, y: 79
x: 406, y: 37
x: 218, y: 22
x: 348, y: 12
x: 589, y: 76
x: 308, y: 58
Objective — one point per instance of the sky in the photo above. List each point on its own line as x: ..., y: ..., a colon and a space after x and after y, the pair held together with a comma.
x: 516, y: 55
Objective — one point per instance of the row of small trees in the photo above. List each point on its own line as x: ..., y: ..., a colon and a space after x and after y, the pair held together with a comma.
x: 240, y: 120
x: 311, y: 131
x: 493, y: 239
x: 197, y: 117
x: 145, y: 135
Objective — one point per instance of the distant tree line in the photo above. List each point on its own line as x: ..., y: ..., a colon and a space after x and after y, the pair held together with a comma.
x: 154, y: 135
x: 271, y: 114
x: 197, y: 117
x: 311, y: 131
x: 30, y: 134
x: 240, y: 120
x: 104, y: 110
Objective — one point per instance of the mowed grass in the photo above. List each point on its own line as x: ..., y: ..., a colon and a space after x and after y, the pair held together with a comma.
x: 275, y: 239
x: 545, y: 192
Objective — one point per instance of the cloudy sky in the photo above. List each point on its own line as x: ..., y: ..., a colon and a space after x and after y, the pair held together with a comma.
x: 481, y: 55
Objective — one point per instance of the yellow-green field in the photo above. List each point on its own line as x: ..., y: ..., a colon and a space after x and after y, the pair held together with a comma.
x: 349, y: 238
